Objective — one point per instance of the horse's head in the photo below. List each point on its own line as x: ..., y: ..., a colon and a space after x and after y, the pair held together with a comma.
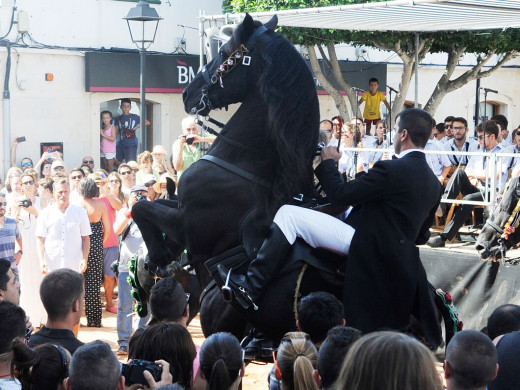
x: 489, y: 243
x: 225, y: 79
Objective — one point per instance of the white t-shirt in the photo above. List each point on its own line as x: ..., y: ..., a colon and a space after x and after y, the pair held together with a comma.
x: 63, y: 234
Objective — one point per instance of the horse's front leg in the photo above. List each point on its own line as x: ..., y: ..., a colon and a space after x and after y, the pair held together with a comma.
x: 153, y: 220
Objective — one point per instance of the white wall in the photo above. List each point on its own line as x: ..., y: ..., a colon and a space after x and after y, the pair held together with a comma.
x: 62, y: 111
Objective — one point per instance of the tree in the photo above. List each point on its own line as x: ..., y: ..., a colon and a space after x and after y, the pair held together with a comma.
x: 454, y: 43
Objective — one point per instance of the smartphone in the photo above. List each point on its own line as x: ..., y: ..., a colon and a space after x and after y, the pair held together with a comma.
x: 20, y: 139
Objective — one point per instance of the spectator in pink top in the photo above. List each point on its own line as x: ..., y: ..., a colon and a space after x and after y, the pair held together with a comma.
x: 108, y: 134
x: 111, y: 245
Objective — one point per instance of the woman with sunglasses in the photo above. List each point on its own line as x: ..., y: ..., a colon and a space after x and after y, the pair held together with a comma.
x: 26, y: 212
x: 295, y: 362
x: 221, y: 362
x: 114, y: 185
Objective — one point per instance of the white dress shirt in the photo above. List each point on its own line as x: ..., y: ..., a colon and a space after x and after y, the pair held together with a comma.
x: 63, y: 234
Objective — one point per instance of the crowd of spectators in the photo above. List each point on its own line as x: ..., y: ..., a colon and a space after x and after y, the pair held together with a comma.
x: 461, y: 175
x: 63, y: 228
x: 322, y: 354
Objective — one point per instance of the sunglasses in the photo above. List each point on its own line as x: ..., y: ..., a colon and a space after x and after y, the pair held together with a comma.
x: 114, y: 181
x: 28, y: 183
x: 76, y: 177
x: 58, y: 168
x: 27, y: 164
x: 3, y: 204
x: 135, y: 170
x: 150, y: 183
x: 448, y: 126
x: 88, y: 162
x: 125, y: 173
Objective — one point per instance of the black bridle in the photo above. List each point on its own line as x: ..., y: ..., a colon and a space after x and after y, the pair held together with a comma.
x: 239, y: 56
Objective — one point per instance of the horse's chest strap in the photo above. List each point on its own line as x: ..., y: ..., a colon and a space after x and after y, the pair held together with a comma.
x: 237, y: 171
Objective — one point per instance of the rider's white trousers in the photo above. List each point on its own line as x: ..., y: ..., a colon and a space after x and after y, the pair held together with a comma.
x: 319, y: 230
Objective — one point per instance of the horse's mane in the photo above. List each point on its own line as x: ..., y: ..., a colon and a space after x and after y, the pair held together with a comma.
x: 288, y: 89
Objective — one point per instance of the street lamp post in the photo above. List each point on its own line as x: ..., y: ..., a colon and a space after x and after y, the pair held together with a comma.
x: 143, y: 21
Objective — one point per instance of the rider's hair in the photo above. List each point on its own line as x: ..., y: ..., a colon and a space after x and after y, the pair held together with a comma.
x: 296, y: 359
x: 390, y: 358
x: 167, y: 300
x: 418, y: 123
x: 333, y: 351
x: 220, y: 360
x: 472, y: 357
x: 317, y: 313
x: 504, y: 319
x: 171, y: 342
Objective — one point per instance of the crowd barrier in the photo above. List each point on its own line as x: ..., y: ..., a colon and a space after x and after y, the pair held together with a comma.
x: 493, y: 164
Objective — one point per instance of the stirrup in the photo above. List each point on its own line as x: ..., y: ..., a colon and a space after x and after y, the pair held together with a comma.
x: 241, y: 296
x: 226, y: 290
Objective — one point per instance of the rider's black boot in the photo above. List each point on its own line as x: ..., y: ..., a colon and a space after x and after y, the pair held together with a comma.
x: 262, y: 269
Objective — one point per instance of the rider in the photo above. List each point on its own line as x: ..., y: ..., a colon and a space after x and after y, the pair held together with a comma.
x: 394, y: 205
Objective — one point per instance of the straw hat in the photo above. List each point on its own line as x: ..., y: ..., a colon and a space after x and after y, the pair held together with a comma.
x: 162, y: 180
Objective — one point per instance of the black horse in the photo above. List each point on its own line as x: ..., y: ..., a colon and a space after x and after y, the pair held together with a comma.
x: 495, y: 238
x: 261, y: 160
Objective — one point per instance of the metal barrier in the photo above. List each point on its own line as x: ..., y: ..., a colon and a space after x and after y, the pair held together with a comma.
x: 492, y: 165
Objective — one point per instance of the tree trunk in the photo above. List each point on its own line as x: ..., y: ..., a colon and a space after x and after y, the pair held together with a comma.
x: 445, y: 85
x: 341, y: 105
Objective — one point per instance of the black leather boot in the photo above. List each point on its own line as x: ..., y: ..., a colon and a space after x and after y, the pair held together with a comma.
x: 261, y: 270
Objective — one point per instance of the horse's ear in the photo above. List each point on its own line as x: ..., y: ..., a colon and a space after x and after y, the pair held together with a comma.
x: 271, y: 25
x: 248, y: 26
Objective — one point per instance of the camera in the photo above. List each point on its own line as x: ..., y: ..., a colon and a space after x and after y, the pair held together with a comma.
x: 133, y: 372
x: 140, y: 197
x: 26, y: 203
x: 189, y: 140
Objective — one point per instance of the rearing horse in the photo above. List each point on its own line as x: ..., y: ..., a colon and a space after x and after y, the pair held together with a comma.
x: 262, y: 158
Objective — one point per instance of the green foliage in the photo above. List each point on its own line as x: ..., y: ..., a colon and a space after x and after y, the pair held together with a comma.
x: 443, y: 41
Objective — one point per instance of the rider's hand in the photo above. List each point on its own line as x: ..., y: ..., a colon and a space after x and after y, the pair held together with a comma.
x: 330, y: 152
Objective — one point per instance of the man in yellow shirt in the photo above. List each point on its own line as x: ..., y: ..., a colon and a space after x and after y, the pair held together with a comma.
x: 372, y: 99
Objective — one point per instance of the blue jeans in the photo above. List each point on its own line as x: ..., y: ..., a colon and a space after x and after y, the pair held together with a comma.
x: 125, y: 306
x: 127, y: 152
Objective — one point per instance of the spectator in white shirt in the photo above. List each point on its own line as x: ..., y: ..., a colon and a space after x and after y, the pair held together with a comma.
x: 63, y: 232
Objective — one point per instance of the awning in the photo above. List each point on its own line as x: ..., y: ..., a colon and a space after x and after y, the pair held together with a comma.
x: 399, y: 15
